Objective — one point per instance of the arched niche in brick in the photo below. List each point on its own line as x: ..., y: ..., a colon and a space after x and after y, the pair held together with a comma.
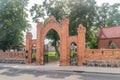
x: 71, y: 39
x: 73, y: 53
x: 33, y: 51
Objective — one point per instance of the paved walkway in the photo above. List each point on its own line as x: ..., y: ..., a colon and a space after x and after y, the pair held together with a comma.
x: 54, y: 67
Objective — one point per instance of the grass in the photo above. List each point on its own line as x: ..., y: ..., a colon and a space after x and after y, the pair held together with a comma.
x: 51, y: 53
x: 51, y: 56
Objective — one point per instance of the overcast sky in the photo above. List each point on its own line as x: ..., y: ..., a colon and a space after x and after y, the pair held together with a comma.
x: 32, y: 2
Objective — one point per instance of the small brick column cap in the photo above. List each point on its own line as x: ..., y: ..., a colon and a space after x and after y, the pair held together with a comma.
x: 29, y: 34
x: 65, y: 20
x: 52, y: 19
x: 81, y: 28
x: 39, y: 24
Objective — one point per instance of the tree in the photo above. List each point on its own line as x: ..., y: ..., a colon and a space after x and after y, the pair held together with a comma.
x: 12, y: 23
x: 84, y: 12
x: 78, y: 11
x: 114, y: 18
x: 108, y: 15
x: 37, y: 12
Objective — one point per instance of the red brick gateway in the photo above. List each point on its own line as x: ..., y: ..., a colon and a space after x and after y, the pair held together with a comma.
x: 65, y: 41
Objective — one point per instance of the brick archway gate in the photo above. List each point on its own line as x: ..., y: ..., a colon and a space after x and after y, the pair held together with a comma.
x: 62, y: 31
x: 65, y: 40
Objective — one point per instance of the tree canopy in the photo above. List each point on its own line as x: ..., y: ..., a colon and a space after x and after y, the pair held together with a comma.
x: 12, y: 23
x: 108, y: 15
x: 86, y: 12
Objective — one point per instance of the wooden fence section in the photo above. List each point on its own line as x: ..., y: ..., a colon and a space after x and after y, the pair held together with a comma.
x: 102, y: 57
x: 12, y: 57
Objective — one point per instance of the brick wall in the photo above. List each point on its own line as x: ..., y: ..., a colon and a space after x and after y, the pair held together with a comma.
x: 12, y: 57
x: 102, y: 54
x: 104, y: 43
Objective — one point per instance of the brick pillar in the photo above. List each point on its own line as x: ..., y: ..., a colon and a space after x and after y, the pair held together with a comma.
x: 29, y: 47
x: 39, y: 44
x: 81, y: 44
x: 63, y: 43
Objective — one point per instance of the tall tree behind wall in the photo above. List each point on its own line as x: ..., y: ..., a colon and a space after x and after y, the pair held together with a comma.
x: 78, y: 11
x: 86, y: 12
x: 108, y: 15
x: 12, y: 23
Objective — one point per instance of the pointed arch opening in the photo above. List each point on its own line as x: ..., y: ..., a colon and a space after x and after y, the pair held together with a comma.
x: 51, y: 49
x: 33, y: 54
x: 73, y: 54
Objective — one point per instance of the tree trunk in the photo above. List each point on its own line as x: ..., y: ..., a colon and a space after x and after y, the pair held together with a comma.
x: 56, y: 48
x: 57, y: 51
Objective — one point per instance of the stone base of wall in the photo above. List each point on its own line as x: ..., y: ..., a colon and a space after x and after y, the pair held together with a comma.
x: 102, y: 63
x: 12, y: 61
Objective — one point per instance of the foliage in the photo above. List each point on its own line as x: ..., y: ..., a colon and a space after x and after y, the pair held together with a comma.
x: 86, y: 12
x: 78, y: 11
x: 108, y: 15
x: 37, y: 12
x: 48, y: 8
x: 12, y: 23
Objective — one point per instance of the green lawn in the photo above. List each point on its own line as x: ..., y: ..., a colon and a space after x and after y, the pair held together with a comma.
x: 51, y: 56
x: 51, y: 53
